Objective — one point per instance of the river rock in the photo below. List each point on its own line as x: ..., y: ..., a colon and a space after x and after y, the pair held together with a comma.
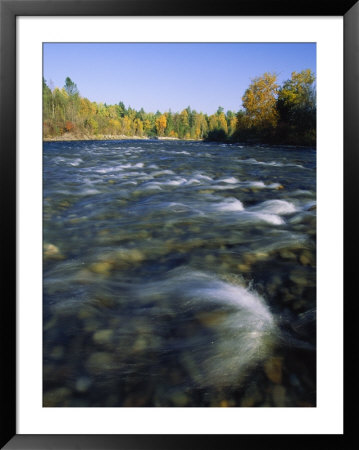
x: 273, y: 369
x: 298, y: 277
x: 140, y: 344
x: 306, y: 259
x: 103, y: 336
x: 52, y: 252
x: 249, y: 258
x: 102, y: 267
x: 287, y: 254
x: 99, y: 361
x: 83, y: 384
x: 244, y: 268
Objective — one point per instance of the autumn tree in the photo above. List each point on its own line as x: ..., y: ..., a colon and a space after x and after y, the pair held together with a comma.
x: 161, y: 123
x: 259, y: 102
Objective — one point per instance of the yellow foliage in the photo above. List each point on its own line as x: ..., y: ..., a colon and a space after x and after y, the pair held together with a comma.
x: 259, y: 101
x: 161, y: 123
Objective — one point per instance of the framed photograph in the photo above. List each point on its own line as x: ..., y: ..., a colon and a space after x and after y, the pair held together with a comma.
x: 175, y: 198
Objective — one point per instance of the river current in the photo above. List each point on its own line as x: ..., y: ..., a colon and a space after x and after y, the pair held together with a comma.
x: 178, y: 273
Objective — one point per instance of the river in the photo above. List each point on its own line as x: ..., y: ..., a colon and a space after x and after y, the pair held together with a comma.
x: 178, y: 273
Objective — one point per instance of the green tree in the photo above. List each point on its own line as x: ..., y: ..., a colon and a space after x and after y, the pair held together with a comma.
x: 296, y: 102
x: 70, y: 87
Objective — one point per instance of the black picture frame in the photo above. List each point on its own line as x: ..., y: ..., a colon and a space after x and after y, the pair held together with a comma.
x: 9, y: 10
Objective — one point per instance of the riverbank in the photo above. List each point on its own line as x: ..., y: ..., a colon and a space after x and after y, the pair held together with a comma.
x: 91, y: 137
x: 107, y: 137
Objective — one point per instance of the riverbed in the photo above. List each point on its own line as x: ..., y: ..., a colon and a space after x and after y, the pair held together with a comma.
x: 178, y: 274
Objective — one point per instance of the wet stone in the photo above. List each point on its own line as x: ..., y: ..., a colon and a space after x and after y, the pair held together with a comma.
x: 83, y: 384
x: 244, y: 267
x: 51, y: 251
x: 287, y: 254
x: 99, y: 361
x: 273, y: 369
x: 140, y: 344
x: 298, y: 278
x: 102, y: 268
x: 103, y: 336
x: 306, y: 259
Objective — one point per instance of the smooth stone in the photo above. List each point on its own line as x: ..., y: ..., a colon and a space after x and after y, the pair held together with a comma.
x: 249, y: 258
x: 244, y: 267
x: 306, y: 259
x: 52, y: 252
x: 128, y: 256
x: 99, y: 361
x: 261, y: 256
x: 140, y: 344
x: 64, y: 204
x: 83, y: 384
x: 206, y: 191
x: 298, y: 278
x: 102, y: 268
x: 103, y: 336
x: 287, y: 254
x: 273, y: 369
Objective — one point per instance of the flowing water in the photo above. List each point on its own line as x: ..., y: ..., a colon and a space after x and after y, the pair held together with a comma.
x: 179, y: 273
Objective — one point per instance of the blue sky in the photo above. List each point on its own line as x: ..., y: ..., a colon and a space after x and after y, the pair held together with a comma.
x: 171, y: 76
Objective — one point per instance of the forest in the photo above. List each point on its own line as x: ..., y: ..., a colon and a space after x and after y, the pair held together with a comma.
x: 271, y: 114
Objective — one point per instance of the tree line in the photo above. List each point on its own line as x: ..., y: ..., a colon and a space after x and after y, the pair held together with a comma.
x: 270, y: 114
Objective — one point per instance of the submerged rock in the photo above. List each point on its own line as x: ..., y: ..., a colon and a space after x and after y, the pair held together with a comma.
x: 102, y: 268
x: 52, y: 252
x: 103, y: 336
x: 273, y: 369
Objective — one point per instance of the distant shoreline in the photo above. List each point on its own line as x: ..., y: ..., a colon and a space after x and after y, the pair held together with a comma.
x: 108, y: 137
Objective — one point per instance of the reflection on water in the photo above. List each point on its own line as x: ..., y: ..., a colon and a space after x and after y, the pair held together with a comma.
x: 178, y: 274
